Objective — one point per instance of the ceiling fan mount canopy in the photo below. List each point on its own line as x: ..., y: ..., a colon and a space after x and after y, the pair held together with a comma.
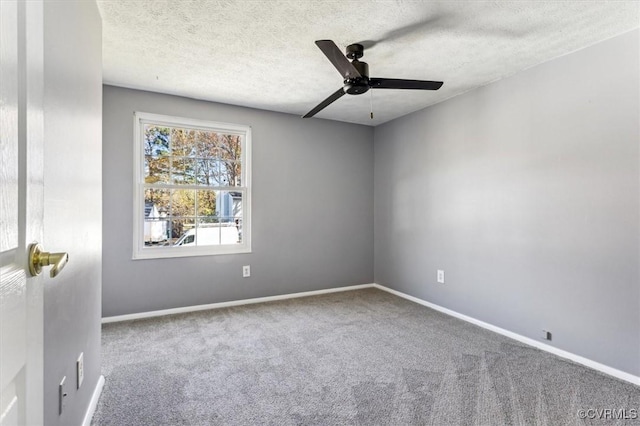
x: 356, y: 75
x: 355, y: 51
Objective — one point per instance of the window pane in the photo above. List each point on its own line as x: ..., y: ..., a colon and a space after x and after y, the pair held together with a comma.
x: 207, y: 144
x: 233, y: 170
x: 208, y: 172
x: 229, y: 233
x: 183, y: 142
x: 230, y: 147
x: 156, y: 140
x: 210, y: 234
x: 225, y: 204
x: 206, y: 205
x: 156, y: 169
x: 182, y: 231
x: 160, y: 198
x: 234, y: 210
x: 183, y: 170
x: 183, y: 203
x: 218, y: 172
x: 156, y: 208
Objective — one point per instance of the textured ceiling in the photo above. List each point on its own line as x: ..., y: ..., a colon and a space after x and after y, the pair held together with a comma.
x: 262, y: 54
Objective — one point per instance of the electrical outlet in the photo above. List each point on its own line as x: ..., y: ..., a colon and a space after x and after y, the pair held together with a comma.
x: 546, y: 335
x: 62, y: 395
x: 80, y: 369
x: 246, y: 271
x: 440, y: 276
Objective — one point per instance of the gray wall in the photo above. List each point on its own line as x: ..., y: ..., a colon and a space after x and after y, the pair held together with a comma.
x: 72, y: 202
x: 312, y: 210
x: 526, y: 192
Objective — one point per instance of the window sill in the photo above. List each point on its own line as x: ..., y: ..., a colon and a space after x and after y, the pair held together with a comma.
x: 169, y: 252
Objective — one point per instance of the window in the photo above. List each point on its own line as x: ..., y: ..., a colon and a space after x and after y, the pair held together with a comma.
x: 192, y: 187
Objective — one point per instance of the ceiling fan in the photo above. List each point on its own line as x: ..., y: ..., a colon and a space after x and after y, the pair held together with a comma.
x: 356, y: 75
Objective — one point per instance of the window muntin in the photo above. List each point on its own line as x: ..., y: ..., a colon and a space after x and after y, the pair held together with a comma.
x: 192, y: 187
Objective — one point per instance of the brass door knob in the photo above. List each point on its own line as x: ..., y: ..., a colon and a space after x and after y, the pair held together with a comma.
x: 39, y: 258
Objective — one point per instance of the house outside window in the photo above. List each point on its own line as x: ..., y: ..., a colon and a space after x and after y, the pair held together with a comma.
x: 192, y: 187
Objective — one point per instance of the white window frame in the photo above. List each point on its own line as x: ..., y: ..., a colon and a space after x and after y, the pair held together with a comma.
x: 139, y: 249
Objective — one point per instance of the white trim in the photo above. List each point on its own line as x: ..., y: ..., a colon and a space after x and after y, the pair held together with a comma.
x: 196, y: 308
x: 174, y: 252
x: 93, y: 404
x: 172, y: 120
x: 526, y: 340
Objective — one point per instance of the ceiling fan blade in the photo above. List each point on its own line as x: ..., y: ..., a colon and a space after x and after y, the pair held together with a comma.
x: 395, y: 83
x: 334, y: 97
x: 338, y: 59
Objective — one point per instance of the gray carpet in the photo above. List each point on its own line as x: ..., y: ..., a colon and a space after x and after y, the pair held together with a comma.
x: 359, y: 357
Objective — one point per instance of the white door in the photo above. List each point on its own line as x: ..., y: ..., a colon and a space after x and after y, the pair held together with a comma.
x: 21, y: 201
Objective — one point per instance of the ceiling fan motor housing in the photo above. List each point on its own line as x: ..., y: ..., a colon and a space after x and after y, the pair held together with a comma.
x: 358, y: 85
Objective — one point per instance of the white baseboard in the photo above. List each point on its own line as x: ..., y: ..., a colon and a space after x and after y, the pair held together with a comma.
x: 93, y: 404
x: 526, y: 340
x: 186, y: 309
